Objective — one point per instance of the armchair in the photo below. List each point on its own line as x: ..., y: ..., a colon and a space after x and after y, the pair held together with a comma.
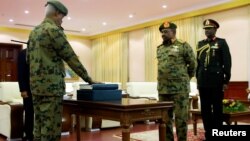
x: 142, y: 89
x: 194, y: 96
x: 9, y: 92
x: 5, y: 119
x: 12, y: 110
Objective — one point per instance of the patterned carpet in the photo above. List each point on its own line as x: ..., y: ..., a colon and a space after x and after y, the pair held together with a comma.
x: 153, y: 135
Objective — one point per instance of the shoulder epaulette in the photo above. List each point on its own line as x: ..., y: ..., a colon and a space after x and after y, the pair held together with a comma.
x: 181, y: 41
x: 204, y: 40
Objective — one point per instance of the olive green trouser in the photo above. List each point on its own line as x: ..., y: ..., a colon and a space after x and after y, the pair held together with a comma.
x: 177, y: 115
x: 48, y: 118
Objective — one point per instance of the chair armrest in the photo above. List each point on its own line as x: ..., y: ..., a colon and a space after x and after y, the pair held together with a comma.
x: 194, y: 102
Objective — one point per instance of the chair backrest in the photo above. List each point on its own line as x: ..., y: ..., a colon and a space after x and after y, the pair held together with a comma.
x: 69, y: 87
x: 9, y: 92
x: 193, y: 89
x: 142, y: 89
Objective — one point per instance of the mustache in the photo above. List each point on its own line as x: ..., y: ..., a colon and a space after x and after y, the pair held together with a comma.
x: 165, y: 37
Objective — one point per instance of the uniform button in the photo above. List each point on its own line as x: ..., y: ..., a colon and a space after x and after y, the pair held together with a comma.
x: 218, y: 72
x: 205, y: 69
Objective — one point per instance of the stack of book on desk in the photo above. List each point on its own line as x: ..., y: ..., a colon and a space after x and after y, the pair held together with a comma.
x: 99, y: 92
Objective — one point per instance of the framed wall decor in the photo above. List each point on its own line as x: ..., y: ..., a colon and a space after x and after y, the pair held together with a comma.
x: 69, y: 73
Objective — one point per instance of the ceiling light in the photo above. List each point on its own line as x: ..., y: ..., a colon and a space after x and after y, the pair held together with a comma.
x: 26, y: 12
x: 164, y: 6
x: 11, y: 20
x: 104, y: 23
x: 130, y: 15
x: 83, y: 29
x: 69, y: 18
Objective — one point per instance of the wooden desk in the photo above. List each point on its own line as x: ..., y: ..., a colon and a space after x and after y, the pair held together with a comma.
x: 126, y: 111
x: 227, y: 117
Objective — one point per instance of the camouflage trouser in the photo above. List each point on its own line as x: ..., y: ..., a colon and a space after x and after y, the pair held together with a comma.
x: 48, y: 118
x: 179, y: 113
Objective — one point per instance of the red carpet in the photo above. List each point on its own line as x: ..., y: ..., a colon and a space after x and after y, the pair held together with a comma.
x: 200, y: 135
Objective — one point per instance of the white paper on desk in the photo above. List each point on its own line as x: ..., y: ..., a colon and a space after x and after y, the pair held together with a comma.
x: 66, y: 97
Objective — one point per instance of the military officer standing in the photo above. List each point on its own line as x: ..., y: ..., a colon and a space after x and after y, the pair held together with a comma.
x: 213, y: 74
x: 176, y: 66
x: 47, y: 49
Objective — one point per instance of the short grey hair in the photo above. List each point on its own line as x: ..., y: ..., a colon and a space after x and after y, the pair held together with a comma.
x: 50, y: 9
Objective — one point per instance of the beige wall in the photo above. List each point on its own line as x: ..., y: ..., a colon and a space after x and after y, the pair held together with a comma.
x: 136, y: 56
x: 7, y: 36
x: 82, y: 47
x: 235, y: 27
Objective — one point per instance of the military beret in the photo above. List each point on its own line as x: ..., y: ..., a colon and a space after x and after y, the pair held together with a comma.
x: 59, y: 6
x: 210, y: 23
x: 166, y: 25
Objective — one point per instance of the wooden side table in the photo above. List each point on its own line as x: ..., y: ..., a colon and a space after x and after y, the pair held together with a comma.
x: 227, y: 117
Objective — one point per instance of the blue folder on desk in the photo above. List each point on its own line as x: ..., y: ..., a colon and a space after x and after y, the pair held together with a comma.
x: 100, y: 92
x: 105, y: 86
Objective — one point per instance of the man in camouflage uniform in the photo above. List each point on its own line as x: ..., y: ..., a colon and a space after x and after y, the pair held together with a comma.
x: 176, y: 66
x: 47, y: 49
x: 213, y: 75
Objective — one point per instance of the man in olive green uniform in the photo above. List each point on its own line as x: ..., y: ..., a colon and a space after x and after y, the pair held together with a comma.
x: 176, y: 66
x: 47, y: 49
x: 213, y: 74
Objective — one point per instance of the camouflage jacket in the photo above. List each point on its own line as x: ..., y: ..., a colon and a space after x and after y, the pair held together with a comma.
x: 47, y: 48
x: 176, y: 66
